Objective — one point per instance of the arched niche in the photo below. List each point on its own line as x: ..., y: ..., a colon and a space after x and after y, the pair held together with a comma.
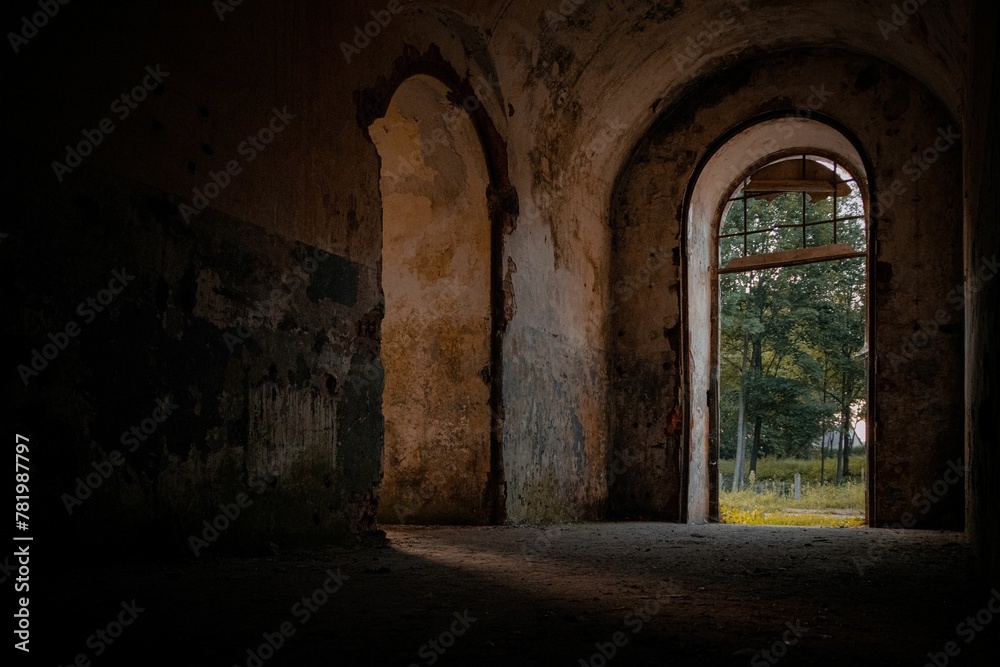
x: 436, y: 334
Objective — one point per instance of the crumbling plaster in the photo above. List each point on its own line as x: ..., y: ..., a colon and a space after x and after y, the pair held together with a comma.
x: 568, y: 90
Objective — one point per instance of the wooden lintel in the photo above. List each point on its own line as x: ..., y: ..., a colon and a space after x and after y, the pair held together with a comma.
x: 790, y: 185
x: 791, y: 258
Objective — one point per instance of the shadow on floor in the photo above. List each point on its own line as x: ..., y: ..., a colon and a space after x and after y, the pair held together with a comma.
x: 674, y: 594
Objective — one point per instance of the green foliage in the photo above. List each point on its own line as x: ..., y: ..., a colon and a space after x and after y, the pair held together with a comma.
x: 791, y: 336
x: 848, y: 497
x: 783, y: 470
x: 826, y: 505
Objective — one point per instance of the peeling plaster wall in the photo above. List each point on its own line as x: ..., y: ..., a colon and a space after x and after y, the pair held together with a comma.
x: 436, y: 331
x: 258, y: 342
x: 581, y: 87
x: 647, y: 418
x: 918, y: 402
x: 295, y: 405
x: 569, y: 97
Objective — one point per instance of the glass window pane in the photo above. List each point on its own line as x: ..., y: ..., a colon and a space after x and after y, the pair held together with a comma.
x: 757, y: 215
x: 829, y: 164
x: 851, y: 274
x: 817, y: 235
x: 781, y: 221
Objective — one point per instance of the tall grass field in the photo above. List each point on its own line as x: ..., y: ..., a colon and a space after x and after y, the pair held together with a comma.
x: 768, y: 499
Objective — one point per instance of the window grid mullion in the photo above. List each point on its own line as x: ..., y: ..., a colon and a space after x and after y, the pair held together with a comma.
x: 835, y: 219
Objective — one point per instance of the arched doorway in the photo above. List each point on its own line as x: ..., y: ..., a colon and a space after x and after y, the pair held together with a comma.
x: 665, y: 204
x: 747, y: 152
x: 436, y: 334
x: 793, y: 292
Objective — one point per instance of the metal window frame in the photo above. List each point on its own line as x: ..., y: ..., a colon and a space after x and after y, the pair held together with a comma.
x: 795, y: 256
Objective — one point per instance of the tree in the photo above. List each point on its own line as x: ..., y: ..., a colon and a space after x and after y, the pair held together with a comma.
x: 790, y: 338
x: 764, y: 343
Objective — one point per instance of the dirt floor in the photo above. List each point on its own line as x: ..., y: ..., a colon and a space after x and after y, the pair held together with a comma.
x: 642, y: 593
